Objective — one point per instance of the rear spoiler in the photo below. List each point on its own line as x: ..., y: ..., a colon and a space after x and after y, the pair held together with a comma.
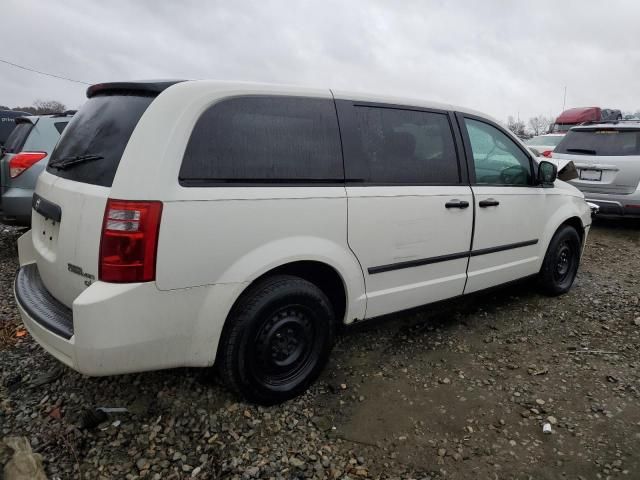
x: 147, y: 88
x: 622, y: 122
x: 66, y: 113
x: 23, y: 120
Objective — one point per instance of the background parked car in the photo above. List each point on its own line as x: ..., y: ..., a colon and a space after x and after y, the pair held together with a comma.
x: 607, y: 156
x: 8, y: 123
x: 26, y: 154
x: 544, y: 144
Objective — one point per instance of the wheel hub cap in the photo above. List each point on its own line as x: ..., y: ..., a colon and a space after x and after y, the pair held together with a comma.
x: 284, y: 340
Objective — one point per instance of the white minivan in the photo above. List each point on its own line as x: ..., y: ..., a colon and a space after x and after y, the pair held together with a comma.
x: 200, y: 222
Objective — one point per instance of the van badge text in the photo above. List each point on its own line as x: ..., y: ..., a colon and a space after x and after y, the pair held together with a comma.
x: 78, y: 271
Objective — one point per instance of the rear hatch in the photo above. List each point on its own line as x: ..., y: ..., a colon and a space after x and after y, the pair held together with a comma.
x: 71, y: 196
x: 607, y: 157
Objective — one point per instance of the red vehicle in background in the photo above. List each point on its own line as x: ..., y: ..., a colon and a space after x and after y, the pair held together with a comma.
x: 576, y: 116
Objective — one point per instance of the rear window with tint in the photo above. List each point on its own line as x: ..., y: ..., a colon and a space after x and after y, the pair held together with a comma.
x: 18, y: 137
x: 270, y: 139
x: 600, y: 142
x: 102, y: 127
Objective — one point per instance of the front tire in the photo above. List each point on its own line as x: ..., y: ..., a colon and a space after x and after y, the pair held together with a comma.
x: 277, y: 339
x: 561, y: 261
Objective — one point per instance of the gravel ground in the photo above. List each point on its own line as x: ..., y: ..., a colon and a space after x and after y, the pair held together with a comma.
x: 456, y: 391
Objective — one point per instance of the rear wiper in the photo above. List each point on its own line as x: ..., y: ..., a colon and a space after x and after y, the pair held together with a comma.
x: 581, y: 150
x: 67, y: 162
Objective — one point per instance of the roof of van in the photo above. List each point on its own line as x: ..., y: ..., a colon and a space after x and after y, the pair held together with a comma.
x: 154, y: 87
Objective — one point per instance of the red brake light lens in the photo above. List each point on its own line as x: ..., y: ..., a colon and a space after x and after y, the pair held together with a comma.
x: 23, y: 161
x: 547, y: 153
x: 129, y: 241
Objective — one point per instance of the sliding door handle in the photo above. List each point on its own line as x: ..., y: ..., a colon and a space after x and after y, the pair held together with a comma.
x: 456, y: 204
x: 489, y: 202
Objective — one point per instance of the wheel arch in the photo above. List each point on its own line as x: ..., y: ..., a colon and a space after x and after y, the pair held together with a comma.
x: 576, y: 223
x: 323, y: 275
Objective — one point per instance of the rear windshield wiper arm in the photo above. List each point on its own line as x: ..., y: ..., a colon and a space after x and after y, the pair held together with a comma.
x: 582, y: 150
x: 67, y: 162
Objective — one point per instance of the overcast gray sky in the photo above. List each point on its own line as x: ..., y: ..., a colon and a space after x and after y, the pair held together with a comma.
x: 498, y: 56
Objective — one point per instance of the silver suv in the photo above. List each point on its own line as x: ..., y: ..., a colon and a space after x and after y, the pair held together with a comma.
x: 26, y: 154
x: 607, y: 157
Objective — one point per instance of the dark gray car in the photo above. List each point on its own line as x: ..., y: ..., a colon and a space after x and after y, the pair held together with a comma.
x: 8, y: 123
x: 26, y: 153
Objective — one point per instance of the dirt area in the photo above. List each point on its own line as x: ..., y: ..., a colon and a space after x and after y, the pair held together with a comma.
x: 459, y: 390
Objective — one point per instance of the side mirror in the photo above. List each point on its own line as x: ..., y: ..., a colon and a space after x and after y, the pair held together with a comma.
x: 547, y: 173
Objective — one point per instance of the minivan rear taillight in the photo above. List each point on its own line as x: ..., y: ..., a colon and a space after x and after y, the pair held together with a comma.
x: 23, y: 161
x: 129, y: 241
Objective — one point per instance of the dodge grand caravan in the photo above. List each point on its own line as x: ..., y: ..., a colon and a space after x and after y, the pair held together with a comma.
x: 204, y: 223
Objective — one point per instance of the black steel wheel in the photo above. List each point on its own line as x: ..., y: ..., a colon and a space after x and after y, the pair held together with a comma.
x: 277, y: 339
x: 561, y: 261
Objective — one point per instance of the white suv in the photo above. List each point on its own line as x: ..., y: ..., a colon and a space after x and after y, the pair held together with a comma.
x: 199, y: 223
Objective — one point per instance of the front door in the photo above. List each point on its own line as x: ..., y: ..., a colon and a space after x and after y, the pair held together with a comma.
x: 510, y: 210
x: 410, y: 208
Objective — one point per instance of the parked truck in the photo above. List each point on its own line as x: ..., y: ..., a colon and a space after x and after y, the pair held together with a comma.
x: 577, y: 116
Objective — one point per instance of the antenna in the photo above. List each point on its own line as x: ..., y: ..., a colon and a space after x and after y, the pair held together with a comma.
x: 564, y: 100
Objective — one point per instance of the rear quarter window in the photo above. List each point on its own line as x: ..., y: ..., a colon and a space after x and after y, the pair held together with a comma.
x: 18, y: 137
x: 600, y: 142
x: 264, y: 140
x: 60, y: 126
x: 102, y: 127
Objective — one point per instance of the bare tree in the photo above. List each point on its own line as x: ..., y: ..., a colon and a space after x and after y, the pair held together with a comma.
x: 539, y: 124
x: 29, y: 110
x: 517, y: 127
x: 44, y: 107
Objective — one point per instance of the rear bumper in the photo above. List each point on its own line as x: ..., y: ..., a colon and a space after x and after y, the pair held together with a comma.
x: 615, y: 205
x: 124, y: 328
x: 32, y: 297
x: 16, y: 205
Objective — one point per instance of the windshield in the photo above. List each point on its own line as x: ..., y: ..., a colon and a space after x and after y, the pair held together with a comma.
x: 562, y: 127
x: 600, y: 142
x: 99, y: 131
x: 546, y: 141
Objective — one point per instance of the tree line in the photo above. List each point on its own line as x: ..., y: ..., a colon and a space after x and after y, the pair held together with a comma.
x: 537, y: 125
x: 40, y: 107
x: 540, y: 124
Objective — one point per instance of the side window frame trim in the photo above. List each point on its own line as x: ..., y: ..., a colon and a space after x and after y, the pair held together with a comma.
x: 460, y: 116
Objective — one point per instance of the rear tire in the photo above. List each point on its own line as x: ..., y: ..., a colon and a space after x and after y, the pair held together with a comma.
x: 276, y: 340
x: 561, y: 261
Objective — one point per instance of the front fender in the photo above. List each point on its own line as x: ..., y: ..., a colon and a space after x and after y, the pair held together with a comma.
x: 570, y: 207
